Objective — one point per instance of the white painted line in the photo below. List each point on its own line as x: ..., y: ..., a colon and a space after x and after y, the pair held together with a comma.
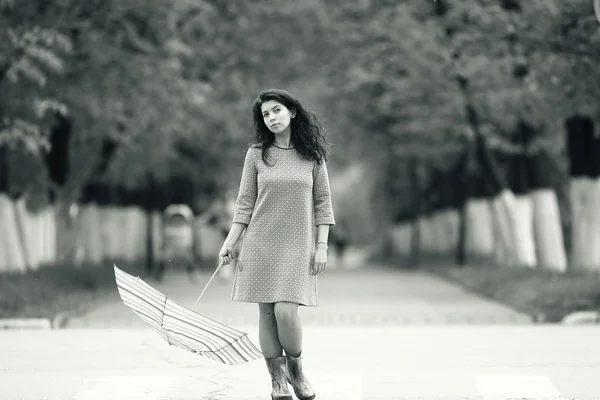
x: 502, y: 387
x: 339, y: 386
x: 390, y: 383
x: 126, y: 387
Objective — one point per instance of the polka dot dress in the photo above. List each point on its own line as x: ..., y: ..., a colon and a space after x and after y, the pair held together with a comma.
x: 282, y: 203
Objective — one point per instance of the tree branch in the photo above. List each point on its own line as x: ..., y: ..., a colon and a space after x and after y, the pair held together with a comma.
x: 12, y: 59
x: 136, y: 40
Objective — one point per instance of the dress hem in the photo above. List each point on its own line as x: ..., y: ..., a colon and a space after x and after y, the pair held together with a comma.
x: 276, y: 301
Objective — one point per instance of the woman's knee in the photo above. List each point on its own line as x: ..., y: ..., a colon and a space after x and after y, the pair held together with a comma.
x: 286, y: 311
x: 266, y: 310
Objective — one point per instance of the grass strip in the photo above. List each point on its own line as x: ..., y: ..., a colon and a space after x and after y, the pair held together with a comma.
x: 44, y: 292
x: 539, y: 292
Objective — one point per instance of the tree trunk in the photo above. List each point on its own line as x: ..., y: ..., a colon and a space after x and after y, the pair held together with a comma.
x: 3, y: 170
x: 415, y: 240
x: 524, y: 238
x: 503, y: 206
x: 465, y: 182
x: 581, y: 147
x: 547, y: 224
x: 150, y: 264
x: 9, y: 234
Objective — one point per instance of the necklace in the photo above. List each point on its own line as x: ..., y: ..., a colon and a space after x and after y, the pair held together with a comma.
x: 283, y: 148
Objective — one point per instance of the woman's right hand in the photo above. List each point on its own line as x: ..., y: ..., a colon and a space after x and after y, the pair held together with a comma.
x: 225, y: 255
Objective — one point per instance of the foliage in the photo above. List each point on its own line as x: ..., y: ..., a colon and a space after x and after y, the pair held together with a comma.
x: 27, y: 53
x: 525, y: 63
x: 169, y: 85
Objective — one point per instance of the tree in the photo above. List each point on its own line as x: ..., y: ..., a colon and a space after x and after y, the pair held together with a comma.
x: 158, y: 80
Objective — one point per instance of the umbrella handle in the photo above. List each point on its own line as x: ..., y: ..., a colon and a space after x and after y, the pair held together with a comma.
x: 208, y: 283
x: 212, y: 277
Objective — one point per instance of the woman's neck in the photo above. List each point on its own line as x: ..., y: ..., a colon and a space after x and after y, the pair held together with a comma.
x: 284, y: 142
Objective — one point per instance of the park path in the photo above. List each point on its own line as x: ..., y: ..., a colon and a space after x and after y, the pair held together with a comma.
x: 374, y: 295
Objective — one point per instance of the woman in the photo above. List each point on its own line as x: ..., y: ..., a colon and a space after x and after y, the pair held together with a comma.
x: 284, y: 193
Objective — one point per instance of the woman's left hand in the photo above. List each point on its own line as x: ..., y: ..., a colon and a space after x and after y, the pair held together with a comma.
x: 320, y: 261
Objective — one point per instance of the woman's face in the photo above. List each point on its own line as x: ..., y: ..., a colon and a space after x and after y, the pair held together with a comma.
x: 276, y: 116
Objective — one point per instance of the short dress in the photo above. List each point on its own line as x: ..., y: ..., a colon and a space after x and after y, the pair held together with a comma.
x: 281, y: 204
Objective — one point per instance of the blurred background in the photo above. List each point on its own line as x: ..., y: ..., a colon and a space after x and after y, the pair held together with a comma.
x: 464, y: 132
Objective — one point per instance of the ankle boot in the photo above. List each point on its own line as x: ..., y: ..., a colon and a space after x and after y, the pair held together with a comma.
x: 276, y: 367
x: 295, y: 375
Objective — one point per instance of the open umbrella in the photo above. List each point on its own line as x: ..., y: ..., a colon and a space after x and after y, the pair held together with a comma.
x: 182, y: 327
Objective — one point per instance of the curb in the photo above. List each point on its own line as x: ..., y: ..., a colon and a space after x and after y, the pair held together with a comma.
x: 25, y: 323
x: 61, y: 319
x: 582, y: 318
x: 536, y: 317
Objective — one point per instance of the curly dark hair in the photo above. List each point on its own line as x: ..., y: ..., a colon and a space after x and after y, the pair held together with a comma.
x: 306, y: 130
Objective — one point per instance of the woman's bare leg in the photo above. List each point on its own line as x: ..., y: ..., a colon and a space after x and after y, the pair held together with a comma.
x: 290, y: 337
x: 289, y: 328
x: 267, y: 331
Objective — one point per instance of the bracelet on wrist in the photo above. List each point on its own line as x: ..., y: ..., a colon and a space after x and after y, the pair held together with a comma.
x: 323, y: 243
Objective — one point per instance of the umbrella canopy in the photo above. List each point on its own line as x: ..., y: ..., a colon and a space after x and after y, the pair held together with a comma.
x: 182, y: 327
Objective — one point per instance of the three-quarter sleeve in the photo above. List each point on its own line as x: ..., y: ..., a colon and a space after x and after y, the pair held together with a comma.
x: 322, y: 196
x: 244, y: 205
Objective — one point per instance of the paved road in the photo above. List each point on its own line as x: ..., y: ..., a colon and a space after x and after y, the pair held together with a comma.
x: 377, y: 334
x: 371, y: 296
x: 374, y: 363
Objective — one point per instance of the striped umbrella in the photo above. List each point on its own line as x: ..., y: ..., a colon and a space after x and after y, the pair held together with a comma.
x: 182, y: 327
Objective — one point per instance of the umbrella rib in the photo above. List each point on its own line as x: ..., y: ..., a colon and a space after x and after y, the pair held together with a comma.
x: 162, y: 317
x: 154, y: 319
x: 187, y: 336
x: 200, y: 351
x: 232, y: 345
x: 226, y: 340
x: 246, y: 358
x: 233, y: 332
x: 229, y: 344
x: 227, y: 330
x: 144, y: 300
x: 196, y: 340
x: 234, y: 348
x: 224, y: 336
x: 137, y: 295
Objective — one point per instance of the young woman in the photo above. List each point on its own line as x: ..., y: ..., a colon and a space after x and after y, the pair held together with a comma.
x: 284, y: 193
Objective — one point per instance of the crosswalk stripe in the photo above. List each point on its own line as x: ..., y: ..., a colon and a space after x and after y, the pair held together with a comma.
x: 126, y: 387
x: 343, y: 385
x: 511, y: 386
